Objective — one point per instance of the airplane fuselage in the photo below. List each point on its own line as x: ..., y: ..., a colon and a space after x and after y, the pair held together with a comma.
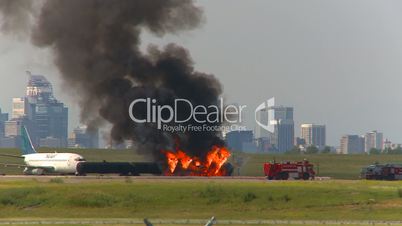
x: 52, y: 163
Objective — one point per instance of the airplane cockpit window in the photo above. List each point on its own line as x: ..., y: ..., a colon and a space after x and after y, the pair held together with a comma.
x: 80, y: 159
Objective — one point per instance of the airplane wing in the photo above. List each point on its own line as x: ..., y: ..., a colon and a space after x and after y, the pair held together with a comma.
x: 12, y: 165
x: 13, y: 156
x: 46, y: 168
x: 4, y: 164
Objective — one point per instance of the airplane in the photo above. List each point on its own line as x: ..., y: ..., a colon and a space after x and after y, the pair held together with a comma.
x: 46, y: 163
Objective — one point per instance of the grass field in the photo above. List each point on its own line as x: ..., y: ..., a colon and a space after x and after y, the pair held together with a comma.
x: 201, y: 199
x: 332, y: 165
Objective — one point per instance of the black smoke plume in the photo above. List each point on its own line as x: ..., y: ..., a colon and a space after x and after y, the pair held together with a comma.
x: 15, y: 15
x: 96, y: 44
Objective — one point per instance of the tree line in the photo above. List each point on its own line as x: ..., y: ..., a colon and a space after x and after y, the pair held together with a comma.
x: 326, y: 150
x: 309, y: 150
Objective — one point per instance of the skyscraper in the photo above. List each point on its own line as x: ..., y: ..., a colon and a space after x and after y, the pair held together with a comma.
x: 241, y: 141
x: 20, y: 108
x: 81, y: 137
x: 3, y: 119
x: 352, y: 144
x: 38, y: 87
x: 22, y: 114
x: 264, y: 130
x: 45, y: 117
x: 50, y: 115
x: 285, y: 129
x: 313, y: 135
x: 12, y: 131
x: 373, y: 139
x: 262, y: 117
x: 278, y: 126
x: 281, y: 119
x: 13, y: 127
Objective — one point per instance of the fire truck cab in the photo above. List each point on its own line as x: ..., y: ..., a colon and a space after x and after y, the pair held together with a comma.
x: 289, y: 170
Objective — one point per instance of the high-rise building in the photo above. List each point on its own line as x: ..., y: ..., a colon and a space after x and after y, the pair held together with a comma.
x: 313, y: 135
x: 262, y: 117
x: 275, y: 125
x: 281, y: 120
x: 20, y: 108
x: 299, y: 141
x: 50, y: 116
x: 241, y: 141
x: 38, y: 87
x: 375, y: 140
x: 3, y: 119
x: 264, y: 131
x: 13, y: 127
x: 45, y: 117
x: 81, y: 137
x: 51, y: 120
x: 352, y: 144
x: 12, y: 133
x: 50, y: 142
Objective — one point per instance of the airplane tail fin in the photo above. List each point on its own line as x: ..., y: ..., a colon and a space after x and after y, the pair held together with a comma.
x: 26, y: 143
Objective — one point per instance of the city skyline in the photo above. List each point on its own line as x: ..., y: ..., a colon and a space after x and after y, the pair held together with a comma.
x: 256, y: 131
x: 40, y: 112
x: 39, y: 91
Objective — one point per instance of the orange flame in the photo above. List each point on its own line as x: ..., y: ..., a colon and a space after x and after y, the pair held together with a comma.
x: 179, y: 163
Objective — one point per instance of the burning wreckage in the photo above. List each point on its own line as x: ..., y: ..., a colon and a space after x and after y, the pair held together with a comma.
x: 215, y: 163
x: 178, y: 164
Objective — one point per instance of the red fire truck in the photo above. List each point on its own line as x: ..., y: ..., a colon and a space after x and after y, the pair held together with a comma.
x: 382, y: 172
x: 285, y: 170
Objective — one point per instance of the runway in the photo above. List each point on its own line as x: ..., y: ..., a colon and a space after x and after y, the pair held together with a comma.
x: 117, y: 177
x: 107, y: 178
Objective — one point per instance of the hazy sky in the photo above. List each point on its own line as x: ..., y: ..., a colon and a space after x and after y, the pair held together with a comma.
x: 338, y: 63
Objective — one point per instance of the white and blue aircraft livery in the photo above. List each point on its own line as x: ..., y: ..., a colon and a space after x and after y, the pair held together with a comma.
x: 47, y: 163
